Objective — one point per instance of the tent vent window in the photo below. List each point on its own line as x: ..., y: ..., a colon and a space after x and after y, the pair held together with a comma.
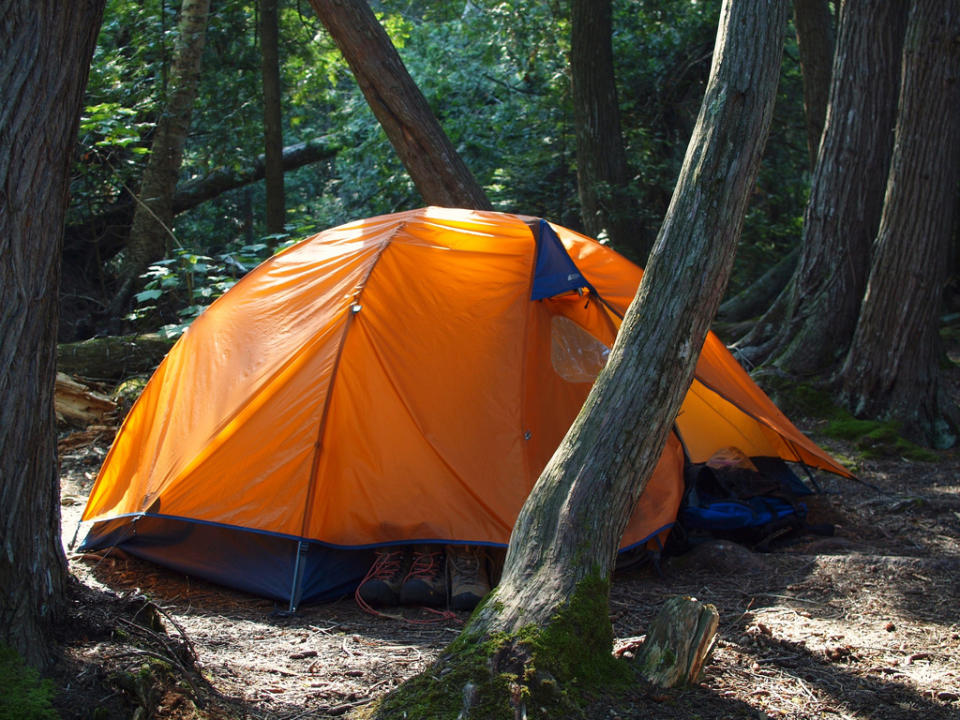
x: 577, y: 356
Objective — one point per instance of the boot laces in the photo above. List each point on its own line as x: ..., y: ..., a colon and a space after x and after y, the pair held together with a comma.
x: 426, y: 564
x: 387, y: 564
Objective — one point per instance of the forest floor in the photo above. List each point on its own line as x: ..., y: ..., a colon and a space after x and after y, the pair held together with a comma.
x: 864, y: 624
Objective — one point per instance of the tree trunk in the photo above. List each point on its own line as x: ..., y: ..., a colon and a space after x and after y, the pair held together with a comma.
x: 436, y: 169
x: 43, y: 72
x: 814, y: 25
x: 551, y: 607
x: 606, y: 206
x: 846, y: 195
x: 753, y: 300
x: 153, y: 217
x: 893, y: 367
x: 272, y: 116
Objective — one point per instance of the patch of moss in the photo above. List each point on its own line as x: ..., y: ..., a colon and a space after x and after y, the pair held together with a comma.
x: 799, y: 399
x: 25, y: 695
x: 876, y: 439
x: 439, y: 692
x: 579, y: 639
x: 552, y: 670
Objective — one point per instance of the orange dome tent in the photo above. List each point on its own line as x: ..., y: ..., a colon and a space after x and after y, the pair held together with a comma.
x: 395, y: 380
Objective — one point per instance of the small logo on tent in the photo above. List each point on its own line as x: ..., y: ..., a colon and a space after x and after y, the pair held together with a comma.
x: 572, y: 276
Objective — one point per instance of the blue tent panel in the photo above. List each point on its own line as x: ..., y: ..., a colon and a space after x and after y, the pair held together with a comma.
x: 555, y: 271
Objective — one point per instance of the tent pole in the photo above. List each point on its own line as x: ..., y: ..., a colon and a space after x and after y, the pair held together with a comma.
x: 297, y: 590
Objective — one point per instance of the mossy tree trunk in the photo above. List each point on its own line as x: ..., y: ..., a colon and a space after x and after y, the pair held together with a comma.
x: 43, y: 72
x: 437, y: 171
x: 893, y: 367
x: 153, y: 217
x: 809, y: 328
x: 547, y: 621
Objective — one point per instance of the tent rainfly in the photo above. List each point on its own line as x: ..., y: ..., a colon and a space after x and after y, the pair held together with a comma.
x: 401, y: 379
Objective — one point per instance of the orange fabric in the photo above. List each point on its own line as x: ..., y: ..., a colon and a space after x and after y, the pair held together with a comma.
x: 390, y: 380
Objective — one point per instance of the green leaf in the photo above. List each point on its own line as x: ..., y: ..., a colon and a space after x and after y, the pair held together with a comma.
x: 145, y: 295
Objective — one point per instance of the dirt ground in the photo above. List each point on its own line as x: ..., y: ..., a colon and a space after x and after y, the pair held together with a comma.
x: 865, y: 624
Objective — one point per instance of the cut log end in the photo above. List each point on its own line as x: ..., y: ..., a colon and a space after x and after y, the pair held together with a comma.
x: 679, y: 642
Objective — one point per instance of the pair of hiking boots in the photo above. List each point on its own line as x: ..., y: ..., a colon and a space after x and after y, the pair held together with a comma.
x: 427, y: 575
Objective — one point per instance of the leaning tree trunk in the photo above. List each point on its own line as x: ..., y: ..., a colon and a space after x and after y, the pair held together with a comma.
x: 547, y: 621
x: 153, y: 217
x: 43, y: 72
x: 810, y: 328
x: 893, y: 367
x: 814, y: 25
x: 272, y: 116
x: 436, y: 169
x: 606, y: 205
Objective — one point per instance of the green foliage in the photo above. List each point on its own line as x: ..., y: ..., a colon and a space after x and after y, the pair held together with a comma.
x: 495, y: 73
x: 187, y: 283
x: 662, y: 52
x: 124, y: 93
x: 25, y: 695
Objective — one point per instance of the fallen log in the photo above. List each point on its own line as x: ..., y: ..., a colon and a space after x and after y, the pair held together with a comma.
x: 103, y: 235
x: 113, y: 357
x: 91, y: 435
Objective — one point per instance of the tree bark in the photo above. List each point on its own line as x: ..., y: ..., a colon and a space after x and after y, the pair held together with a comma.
x: 436, y: 169
x: 893, y: 368
x: 43, y: 72
x: 846, y: 195
x: 556, y: 575
x: 813, y: 22
x: 272, y: 116
x: 754, y: 300
x: 153, y: 216
x: 606, y: 206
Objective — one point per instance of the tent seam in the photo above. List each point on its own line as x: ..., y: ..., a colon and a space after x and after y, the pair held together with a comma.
x: 322, y: 425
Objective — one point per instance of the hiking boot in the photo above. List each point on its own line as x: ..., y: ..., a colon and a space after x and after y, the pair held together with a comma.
x: 467, y: 572
x: 425, y: 584
x: 381, y: 586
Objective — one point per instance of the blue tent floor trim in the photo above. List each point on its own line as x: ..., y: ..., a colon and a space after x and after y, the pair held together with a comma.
x: 253, y: 562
